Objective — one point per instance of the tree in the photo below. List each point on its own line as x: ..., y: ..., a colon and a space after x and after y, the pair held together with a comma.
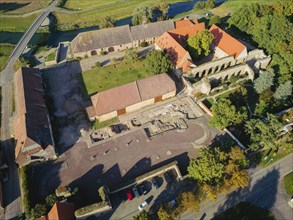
x: 264, y: 134
x: 39, y: 210
x: 162, y: 10
x: 102, y: 193
x: 225, y: 114
x: 284, y: 90
x: 141, y: 216
x: 210, y: 3
x: 189, y: 201
x: 200, y: 43
x: 51, y: 199
x: 131, y: 55
x: 163, y: 214
x: 206, y: 168
x: 264, y: 81
x: 157, y: 62
x: 215, y: 19
x: 239, y: 179
x: 142, y: 15
x: 106, y: 22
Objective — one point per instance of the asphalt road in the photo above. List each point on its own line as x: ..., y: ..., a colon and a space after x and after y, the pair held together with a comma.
x: 11, y: 190
x: 265, y: 190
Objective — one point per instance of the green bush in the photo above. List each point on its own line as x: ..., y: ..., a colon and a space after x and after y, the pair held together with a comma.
x: 90, y: 208
x: 25, y: 190
x: 98, y: 64
x: 103, y: 53
x: 143, y: 44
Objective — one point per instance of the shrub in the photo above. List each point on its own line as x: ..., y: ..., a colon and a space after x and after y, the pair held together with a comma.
x: 90, y: 208
x: 98, y: 64
x: 25, y: 190
x: 39, y: 210
x: 143, y: 44
x: 103, y: 53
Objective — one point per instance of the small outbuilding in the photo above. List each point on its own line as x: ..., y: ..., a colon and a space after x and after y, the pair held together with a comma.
x: 131, y: 97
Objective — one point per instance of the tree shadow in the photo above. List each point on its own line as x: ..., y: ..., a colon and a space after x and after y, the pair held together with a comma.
x: 11, y: 6
x: 260, y: 192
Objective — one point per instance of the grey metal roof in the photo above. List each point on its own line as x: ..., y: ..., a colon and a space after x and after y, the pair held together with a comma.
x: 155, y: 29
x: 108, y: 37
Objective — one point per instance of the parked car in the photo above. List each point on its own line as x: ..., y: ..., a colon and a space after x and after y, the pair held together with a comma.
x: 155, y: 183
x: 143, y: 189
x: 129, y: 194
x: 167, y: 178
x: 136, y: 191
x: 142, y: 205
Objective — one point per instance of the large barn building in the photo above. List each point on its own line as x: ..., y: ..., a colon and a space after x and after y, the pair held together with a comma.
x: 130, y: 97
x: 32, y: 127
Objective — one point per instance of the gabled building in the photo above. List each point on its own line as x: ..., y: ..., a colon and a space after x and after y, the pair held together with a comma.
x: 131, y: 97
x: 185, y: 22
x: 149, y: 32
x: 32, y: 126
x: 225, y: 45
x: 173, y: 43
x: 91, y: 43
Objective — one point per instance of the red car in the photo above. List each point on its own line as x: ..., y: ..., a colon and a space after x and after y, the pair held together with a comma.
x: 129, y: 194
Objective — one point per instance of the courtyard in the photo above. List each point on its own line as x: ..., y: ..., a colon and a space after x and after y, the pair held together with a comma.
x: 121, y: 159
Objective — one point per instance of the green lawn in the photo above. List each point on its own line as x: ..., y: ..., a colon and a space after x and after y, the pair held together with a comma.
x: 51, y: 56
x: 85, y: 4
x: 96, y: 125
x: 245, y: 211
x: 17, y: 24
x: 288, y: 182
x: 283, y: 152
x: 102, y: 78
x: 5, y: 50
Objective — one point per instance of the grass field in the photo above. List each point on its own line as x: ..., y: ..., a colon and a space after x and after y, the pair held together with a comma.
x: 96, y: 125
x: 288, y: 182
x: 22, y: 6
x: 17, y: 24
x: 121, y: 10
x: 273, y: 158
x: 102, y: 78
x: 245, y: 211
x: 80, y: 5
x: 5, y: 50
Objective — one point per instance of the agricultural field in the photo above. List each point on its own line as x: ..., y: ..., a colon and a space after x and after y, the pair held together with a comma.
x: 22, y: 6
x: 102, y: 78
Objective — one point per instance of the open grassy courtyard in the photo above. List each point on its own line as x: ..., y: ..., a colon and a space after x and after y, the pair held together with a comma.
x: 103, y: 78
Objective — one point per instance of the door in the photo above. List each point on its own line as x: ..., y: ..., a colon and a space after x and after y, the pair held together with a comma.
x: 121, y: 111
x: 158, y: 99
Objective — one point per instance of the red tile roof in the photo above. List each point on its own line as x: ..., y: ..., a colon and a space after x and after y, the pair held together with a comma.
x: 226, y: 42
x: 116, y: 98
x: 132, y: 93
x: 62, y: 211
x: 172, y: 43
x: 185, y: 23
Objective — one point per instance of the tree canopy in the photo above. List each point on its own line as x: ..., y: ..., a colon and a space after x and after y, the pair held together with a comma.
x: 106, y: 22
x: 226, y: 114
x: 264, y: 81
x: 284, y: 90
x: 215, y: 19
x: 264, y: 134
x: 200, y: 43
x: 142, y: 15
x: 214, y: 165
x: 157, y: 62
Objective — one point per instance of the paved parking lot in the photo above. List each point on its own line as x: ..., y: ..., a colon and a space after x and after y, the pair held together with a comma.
x: 115, y: 162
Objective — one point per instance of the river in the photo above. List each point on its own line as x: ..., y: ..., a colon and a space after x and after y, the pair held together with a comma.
x: 52, y: 39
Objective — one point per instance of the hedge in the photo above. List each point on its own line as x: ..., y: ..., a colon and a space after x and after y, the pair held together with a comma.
x: 90, y: 208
